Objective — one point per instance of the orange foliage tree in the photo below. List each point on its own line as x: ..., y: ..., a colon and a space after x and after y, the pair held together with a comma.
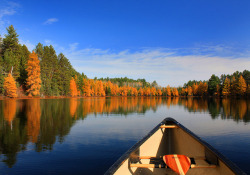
x: 189, y: 91
x: 168, y: 91
x: 226, y: 88
x: 73, y: 88
x: 100, y: 90
x: 33, y: 70
x: 175, y: 92
x: 159, y: 92
x: 241, y: 86
x: 10, y: 86
x: 86, y: 88
x: 195, y: 89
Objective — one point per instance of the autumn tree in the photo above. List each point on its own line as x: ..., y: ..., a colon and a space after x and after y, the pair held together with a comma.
x: 159, y: 92
x: 189, y: 91
x: 226, y: 87
x: 73, y: 88
x: 168, y: 91
x: 10, y: 86
x: 141, y: 92
x: 100, y: 89
x: 241, y: 86
x: 175, y: 92
x: 194, y: 89
x: 33, y: 80
x: 86, y: 88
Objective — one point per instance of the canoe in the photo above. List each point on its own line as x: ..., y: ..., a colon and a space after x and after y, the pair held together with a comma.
x: 170, y: 138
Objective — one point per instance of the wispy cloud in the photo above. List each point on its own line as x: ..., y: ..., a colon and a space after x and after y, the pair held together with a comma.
x: 7, y: 8
x: 29, y: 45
x: 50, y: 21
x: 166, y: 66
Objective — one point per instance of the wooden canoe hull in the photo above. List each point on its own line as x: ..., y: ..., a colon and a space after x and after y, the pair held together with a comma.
x: 172, y: 140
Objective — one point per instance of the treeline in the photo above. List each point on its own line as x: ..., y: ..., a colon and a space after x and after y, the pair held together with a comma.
x: 44, y: 73
x: 17, y: 78
x: 236, y: 84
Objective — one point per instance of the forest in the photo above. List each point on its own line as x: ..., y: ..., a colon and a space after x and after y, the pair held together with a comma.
x: 43, y: 73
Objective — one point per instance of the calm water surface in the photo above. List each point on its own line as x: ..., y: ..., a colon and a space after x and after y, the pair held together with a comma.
x: 72, y: 136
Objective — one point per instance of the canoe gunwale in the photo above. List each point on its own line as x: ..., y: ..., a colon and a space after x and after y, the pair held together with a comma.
x: 126, y: 155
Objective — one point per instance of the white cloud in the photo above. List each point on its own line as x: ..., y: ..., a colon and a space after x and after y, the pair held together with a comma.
x: 166, y: 66
x: 50, y: 21
x: 163, y: 65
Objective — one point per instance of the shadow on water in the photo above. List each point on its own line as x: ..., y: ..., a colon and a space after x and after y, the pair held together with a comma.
x: 43, y: 122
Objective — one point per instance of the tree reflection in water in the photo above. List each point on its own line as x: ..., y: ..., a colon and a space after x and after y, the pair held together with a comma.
x: 47, y: 121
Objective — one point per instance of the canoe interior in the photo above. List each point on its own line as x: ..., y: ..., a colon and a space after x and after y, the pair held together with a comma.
x: 163, y: 141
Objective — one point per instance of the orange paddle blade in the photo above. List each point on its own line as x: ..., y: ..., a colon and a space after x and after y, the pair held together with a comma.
x: 178, y: 163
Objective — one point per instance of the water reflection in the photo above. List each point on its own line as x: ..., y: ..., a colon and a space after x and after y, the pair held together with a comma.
x: 44, y: 122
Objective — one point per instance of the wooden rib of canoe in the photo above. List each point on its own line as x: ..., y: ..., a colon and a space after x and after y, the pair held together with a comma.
x: 168, y: 138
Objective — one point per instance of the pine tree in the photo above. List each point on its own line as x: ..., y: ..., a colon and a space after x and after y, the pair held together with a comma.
x: 10, y: 86
x: 33, y: 80
x: 212, y: 84
x: 65, y: 71
x: 11, y: 50
x: 23, y: 64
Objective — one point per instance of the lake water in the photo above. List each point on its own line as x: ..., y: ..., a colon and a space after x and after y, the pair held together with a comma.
x: 76, y: 135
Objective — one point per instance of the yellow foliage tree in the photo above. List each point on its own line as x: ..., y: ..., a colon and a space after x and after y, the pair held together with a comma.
x: 226, y: 88
x: 241, y: 86
x: 73, y: 88
x: 168, y: 91
x: 10, y: 86
x: 141, y: 93
x: 159, y: 92
x: 33, y: 80
x: 189, y: 91
x: 86, y: 88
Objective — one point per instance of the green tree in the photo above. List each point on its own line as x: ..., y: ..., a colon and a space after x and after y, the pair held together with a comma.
x: 212, y: 84
x: 10, y: 42
x: 246, y: 76
x: 49, y: 66
x: 23, y: 64
x: 11, y: 50
x: 65, y: 74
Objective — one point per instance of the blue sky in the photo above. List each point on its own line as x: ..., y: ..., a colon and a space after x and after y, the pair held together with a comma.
x: 163, y: 40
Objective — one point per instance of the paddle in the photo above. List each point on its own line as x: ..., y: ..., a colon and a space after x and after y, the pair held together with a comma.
x: 178, y: 163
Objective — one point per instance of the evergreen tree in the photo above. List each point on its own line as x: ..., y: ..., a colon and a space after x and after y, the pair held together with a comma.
x: 11, y: 50
x: 49, y: 66
x: 65, y: 73
x: 246, y: 76
x: 23, y: 64
x: 212, y: 84
x: 39, y: 51
x: 10, y: 42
